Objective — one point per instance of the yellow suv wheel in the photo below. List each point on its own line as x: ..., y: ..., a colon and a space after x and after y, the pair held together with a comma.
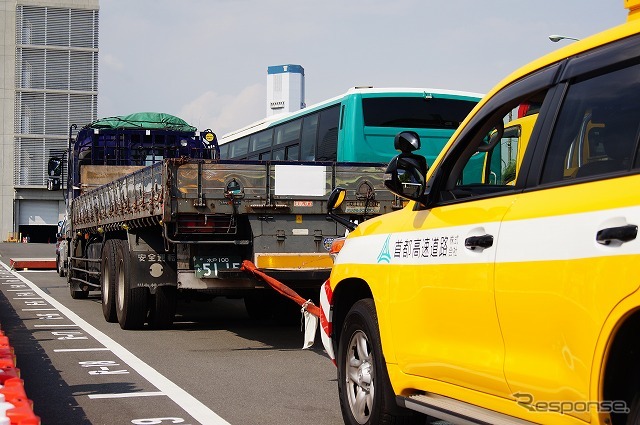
x: 366, y: 397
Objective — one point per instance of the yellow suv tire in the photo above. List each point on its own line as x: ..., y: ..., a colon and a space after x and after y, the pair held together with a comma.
x: 366, y: 396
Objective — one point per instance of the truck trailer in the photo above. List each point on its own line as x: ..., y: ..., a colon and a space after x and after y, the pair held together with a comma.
x: 153, y: 215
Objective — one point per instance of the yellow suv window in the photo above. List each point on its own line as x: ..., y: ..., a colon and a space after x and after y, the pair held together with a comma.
x: 597, y: 128
x: 492, y: 159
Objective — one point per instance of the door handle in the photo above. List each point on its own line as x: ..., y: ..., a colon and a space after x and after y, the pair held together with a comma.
x: 622, y: 233
x: 474, y: 242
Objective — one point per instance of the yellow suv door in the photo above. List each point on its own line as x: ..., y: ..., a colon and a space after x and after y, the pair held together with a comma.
x: 567, y: 254
x: 442, y: 303
x: 442, y: 310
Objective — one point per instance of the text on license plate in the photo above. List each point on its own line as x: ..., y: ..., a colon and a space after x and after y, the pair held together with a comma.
x: 211, y: 266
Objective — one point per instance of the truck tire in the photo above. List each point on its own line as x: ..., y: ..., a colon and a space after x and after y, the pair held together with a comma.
x: 364, y: 389
x: 163, y: 310
x: 131, y: 302
x: 78, y: 294
x: 108, y: 276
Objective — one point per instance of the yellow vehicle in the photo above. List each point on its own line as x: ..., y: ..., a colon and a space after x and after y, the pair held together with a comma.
x: 491, y: 301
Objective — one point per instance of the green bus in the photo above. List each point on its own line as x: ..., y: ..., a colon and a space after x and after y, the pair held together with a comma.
x: 357, y: 126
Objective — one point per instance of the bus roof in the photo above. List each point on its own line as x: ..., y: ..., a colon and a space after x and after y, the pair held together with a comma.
x: 275, y: 119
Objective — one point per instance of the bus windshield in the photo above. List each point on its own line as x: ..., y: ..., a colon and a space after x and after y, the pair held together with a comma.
x: 415, y: 112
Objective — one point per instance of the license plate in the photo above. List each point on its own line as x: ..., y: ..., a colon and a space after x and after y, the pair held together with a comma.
x: 360, y: 207
x: 209, y: 267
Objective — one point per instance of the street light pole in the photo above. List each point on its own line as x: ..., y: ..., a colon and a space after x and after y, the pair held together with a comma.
x: 555, y: 38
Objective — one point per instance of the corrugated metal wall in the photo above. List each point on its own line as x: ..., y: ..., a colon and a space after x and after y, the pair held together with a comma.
x: 56, y: 84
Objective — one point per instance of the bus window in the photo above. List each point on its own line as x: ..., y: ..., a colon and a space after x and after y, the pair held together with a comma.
x: 308, y: 137
x: 287, y: 133
x: 224, y: 151
x: 238, y: 148
x: 261, y: 141
x: 278, y: 154
x: 415, y: 112
x: 328, y: 134
x: 292, y: 152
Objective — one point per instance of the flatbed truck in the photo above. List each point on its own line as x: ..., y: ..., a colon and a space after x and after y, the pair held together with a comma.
x: 154, y: 214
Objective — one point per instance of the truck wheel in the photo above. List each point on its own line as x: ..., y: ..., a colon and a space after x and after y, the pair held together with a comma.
x: 131, y: 302
x: 366, y: 395
x: 78, y: 294
x: 163, y: 310
x: 108, y: 275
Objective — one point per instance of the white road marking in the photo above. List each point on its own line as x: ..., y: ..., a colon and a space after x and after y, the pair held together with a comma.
x: 186, y: 401
x: 127, y: 395
x: 69, y: 350
x: 36, y: 271
x: 39, y: 309
x: 55, y: 326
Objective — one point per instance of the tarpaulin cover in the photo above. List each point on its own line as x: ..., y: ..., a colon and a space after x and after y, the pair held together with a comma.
x: 144, y: 121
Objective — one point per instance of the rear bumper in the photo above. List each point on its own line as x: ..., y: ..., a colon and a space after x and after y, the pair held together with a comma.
x: 232, y: 280
x: 236, y: 279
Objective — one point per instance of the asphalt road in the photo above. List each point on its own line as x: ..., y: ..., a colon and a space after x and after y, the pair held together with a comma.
x: 216, y: 366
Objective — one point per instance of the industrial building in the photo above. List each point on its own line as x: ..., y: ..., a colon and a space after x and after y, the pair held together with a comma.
x: 48, y: 81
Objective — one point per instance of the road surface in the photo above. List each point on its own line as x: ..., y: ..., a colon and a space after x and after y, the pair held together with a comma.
x: 216, y: 366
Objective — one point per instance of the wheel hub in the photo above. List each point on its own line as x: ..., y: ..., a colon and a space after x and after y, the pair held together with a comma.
x: 360, y: 377
x: 364, y: 376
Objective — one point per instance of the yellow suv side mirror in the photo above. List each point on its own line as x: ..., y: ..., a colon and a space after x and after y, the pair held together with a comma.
x: 336, y: 198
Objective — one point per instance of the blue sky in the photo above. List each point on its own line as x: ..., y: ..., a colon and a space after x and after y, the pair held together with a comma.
x: 206, y: 60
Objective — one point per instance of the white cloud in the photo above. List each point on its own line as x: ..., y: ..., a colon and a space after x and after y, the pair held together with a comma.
x: 111, y: 62
x: 225, y: 113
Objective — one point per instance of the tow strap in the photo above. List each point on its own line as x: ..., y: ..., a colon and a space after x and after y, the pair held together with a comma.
x: 310, y: 312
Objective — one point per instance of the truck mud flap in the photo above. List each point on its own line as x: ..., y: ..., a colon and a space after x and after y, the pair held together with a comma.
x: 151, y: 266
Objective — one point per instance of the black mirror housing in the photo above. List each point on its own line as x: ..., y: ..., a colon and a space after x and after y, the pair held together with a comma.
x: 406, y: 176
x: 407, y: 141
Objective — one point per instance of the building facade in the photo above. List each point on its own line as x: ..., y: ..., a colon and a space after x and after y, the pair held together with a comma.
x: 285, y: 89
x: 48, y: 81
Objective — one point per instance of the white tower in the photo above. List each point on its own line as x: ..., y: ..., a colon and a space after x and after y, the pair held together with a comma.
x: 285, y: 89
